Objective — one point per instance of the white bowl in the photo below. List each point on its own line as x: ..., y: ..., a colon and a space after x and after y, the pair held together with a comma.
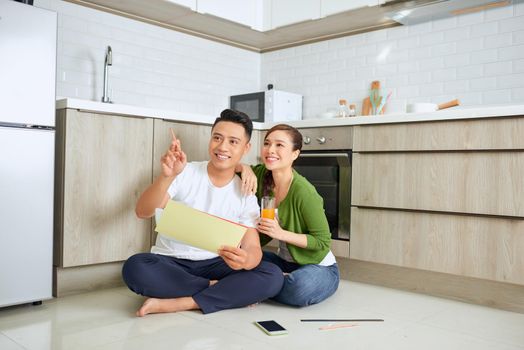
x: 421, y: 107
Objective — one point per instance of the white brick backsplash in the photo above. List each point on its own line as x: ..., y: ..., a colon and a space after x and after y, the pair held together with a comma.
x: 431, y: 89
x: 366, y: 50
x: 484, y: 29
x: 396, y: 81
x: 431, y: 38
x: 397, y: 33
x: 443, y: 49
x: 512, y: 24
x: 407, y: 91
x: 519, y: 9
x: 444, y: 74
x: 470, y: 98
x: 419, y: 78
x: 510, y: 81
x: 481, y: 84
x: 456, y: 34
x: 470, y: 45
x: 453, y: 87
x: 518, y: 66
x: 511, y: 53
x: 496, y: 96
x: 499, y: 40
x: 517, y: 95
x: 518, y: 37
x: 445, y: 23
x: 420, y: 28
x: 478, y: 58
x: 462, y: 59
x: 408, y: 43
x: 470, y: 19
x: 420, y: 52
x: 498, y: 68
x: 431, y: 63
x: 346, y: 52
x: 470, y: 71
x: 408, y: 67
x: 484, y: 56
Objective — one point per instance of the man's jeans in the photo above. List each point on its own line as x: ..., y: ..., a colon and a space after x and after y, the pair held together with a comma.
x: 305, y: 284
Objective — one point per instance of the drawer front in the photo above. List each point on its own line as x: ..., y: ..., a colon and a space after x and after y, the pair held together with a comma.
x: 480, y: 247
x: 463, y: 182
x: 478, y: 134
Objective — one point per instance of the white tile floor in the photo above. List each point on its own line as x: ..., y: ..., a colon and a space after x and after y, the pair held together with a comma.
x: 105, y: 320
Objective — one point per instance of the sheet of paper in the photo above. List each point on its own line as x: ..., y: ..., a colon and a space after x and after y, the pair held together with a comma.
x: 197, y: 228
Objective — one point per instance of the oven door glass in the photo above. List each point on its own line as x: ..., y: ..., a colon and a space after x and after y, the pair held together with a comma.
x: 330, y: 173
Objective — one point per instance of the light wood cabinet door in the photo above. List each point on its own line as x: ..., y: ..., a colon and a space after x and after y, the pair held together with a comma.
x: 464, y: 182
x: 475, y: 134
x: 474, y: 246
x: 103, y: 165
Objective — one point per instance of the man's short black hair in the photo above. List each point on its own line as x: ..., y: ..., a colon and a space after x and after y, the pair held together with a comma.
x: 234, y: 116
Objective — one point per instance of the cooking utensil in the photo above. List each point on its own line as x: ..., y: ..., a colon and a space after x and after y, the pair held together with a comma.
x: 430, y: 107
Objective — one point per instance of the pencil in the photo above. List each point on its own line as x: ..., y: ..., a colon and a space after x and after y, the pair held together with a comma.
x: 325, y: 328
x: 343, y: 320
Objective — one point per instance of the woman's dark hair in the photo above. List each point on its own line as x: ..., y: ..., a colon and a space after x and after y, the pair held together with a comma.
x: 296, y: 138
x: 234, y: 116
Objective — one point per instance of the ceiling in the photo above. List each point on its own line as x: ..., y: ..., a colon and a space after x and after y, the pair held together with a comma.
x: 183, y: 19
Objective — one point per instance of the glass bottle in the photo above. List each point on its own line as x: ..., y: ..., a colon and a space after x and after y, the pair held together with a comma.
x: 343, y: 110
x: 352, y: 110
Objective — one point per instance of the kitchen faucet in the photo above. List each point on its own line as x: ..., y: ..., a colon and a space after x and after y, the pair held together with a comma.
x: 108, y: 62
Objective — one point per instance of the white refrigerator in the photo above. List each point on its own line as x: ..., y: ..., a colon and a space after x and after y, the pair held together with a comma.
x: 27, y: 143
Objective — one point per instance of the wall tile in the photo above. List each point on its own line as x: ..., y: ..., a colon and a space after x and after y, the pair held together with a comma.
x: 499, y: 40
x: 478, y: 58
x: 498, y: 68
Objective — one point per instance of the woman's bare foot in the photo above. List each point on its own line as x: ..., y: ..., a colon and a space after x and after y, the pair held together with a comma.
x: 155, y: 306
x: 212, y: 282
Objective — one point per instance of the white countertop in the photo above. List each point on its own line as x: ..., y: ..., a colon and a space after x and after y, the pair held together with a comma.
x: 446, y: 114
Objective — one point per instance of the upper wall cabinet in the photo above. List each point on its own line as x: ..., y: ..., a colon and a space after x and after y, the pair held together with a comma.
x: 239, y: 11
x: 331, y: 7
x: 293, y: 11
x: 192, y: 4
x: 264, y: 15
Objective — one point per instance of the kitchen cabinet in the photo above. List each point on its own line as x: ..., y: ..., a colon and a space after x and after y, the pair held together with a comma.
x: 443, y: 197
x: 331, y: 7
x: 239, y: 11
x: 103, y: 163
x: 293, y: 11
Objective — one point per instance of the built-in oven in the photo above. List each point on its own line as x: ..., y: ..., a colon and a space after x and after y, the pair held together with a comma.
x: 325, y: 161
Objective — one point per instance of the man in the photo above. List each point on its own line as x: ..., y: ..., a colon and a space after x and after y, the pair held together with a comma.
x: 178, y: 277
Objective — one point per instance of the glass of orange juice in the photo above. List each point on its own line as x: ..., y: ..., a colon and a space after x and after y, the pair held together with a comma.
x: 268, y: 207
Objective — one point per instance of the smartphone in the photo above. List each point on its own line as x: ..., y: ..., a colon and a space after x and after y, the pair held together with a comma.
x: 271, y: 327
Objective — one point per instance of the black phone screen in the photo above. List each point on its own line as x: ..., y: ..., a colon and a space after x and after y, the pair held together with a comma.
x: 271, y: 326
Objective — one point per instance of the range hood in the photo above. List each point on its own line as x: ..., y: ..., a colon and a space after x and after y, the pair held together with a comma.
x: 418, y: 11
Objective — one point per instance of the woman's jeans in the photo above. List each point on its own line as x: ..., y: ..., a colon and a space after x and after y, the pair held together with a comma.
x: 305, y: 284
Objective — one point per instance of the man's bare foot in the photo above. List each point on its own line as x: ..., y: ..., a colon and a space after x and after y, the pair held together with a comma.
x: 155, y: 306
x: 212, y: 282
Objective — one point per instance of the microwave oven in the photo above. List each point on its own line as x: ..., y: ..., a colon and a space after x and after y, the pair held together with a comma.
x: 269, y: 106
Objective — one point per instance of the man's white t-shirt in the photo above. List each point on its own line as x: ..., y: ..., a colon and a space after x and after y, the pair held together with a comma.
x: 194, y: 188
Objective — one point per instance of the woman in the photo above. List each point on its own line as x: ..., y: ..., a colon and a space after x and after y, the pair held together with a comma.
x: 300, y: 226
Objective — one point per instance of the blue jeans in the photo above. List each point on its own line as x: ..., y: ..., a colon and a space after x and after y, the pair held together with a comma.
x: 305, y: 284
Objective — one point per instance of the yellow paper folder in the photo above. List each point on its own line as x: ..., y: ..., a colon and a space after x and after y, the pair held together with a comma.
x: 197, y: 228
